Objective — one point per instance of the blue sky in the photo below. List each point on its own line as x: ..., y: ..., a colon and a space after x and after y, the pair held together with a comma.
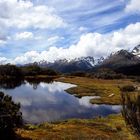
x: 35, y: 30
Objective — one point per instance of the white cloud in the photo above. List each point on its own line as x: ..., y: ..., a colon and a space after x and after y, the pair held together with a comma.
x: 54, y: 39
x: 133, y: 6
x: 24, y: 36
x: 4, y: 60
x: 82, y: 29
x: 24, y: 14
x: 90, y: 44
x: 2, y: 42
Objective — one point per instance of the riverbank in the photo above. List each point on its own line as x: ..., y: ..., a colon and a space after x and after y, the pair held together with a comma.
x: 108, y: 90
x: 112, y: 127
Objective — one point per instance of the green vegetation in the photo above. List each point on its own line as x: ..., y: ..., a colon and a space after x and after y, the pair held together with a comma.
x: 10, y: 71
x: 34, y: 70
x: 10, y: 117
x: 111, y: 128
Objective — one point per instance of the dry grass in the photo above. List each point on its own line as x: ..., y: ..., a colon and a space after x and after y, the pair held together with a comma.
x: 97, y: 87
x: 110, y: 128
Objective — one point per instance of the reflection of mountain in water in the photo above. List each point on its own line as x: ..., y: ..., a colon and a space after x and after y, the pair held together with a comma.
x: 131, y: 110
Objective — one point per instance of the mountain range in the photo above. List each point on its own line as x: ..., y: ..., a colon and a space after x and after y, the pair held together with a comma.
x: 122, y: 61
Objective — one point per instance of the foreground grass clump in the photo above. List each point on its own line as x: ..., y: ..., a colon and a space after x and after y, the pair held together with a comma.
x: 110, y: 128
x: 108, y: 90
x: 131, y: 110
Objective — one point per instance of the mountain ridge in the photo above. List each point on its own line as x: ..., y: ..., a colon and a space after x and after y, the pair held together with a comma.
x: 122, y: 58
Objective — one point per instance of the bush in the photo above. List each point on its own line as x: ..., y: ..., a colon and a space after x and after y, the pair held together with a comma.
x: 128, y: 88
x: 10, y: 116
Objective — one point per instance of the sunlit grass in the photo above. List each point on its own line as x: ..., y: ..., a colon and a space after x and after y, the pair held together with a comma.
x: 108, y: 90
x: 110, y: 128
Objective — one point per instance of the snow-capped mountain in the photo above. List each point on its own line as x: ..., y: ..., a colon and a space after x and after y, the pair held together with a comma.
x: 136, y: 51
x: 64, y: 65
x: 98, y: 61
x: 122, y: 58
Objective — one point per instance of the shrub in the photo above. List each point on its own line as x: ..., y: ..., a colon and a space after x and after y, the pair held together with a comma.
x: 10, y: 116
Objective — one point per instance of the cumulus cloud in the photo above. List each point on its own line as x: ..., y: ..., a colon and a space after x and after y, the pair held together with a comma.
x: 24, y: 14
x: 4, y: 60
x: 133, y: 6
x: 90, y: 44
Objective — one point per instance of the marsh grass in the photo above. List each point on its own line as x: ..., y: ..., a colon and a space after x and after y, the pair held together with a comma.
x: 97, y: 87
x: 112, y: 127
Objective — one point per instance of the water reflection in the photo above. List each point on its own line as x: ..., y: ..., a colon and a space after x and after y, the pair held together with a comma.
x: 36, y: 81
x: 131, y: 110
x: 50, y: 102
x: 11, y: 83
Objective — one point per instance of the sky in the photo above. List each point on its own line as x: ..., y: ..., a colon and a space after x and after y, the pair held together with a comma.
x: 36, y: 30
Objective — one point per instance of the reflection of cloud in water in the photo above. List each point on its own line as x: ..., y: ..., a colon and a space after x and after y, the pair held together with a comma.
x: 85, y: 101
x: 49, y: 102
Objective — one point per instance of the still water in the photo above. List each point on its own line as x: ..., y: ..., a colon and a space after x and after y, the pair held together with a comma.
x: 41, y: 102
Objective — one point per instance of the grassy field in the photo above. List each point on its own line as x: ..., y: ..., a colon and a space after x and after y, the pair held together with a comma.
x: 111, y: 128
x: 108, y: 90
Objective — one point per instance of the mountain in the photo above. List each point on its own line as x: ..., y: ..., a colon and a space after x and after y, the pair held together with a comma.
x: 119, y: 59
x: 123, y: 62
x: 136, y: 51
x: 65, y: 66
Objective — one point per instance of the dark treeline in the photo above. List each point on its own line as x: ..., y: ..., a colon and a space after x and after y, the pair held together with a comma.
x: 130, y: 70
x: 32, y: 70
x: 12, y: 71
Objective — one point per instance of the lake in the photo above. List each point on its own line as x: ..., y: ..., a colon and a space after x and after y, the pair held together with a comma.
x: 41, y: 102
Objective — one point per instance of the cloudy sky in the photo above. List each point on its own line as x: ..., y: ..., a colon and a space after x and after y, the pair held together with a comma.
x: 35, y: 30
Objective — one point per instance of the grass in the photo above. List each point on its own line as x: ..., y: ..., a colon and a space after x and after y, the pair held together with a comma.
x: 110, y: 128
x: 108, y: 90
